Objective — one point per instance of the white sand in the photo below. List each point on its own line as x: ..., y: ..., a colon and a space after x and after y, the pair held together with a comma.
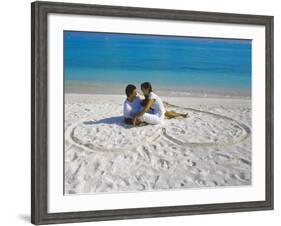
x: 102, y: 154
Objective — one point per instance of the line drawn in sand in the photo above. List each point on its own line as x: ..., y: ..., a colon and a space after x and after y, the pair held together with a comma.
x: 100, y: 135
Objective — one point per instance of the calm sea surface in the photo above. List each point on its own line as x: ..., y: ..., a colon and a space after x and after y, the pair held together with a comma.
x: 104, y: 62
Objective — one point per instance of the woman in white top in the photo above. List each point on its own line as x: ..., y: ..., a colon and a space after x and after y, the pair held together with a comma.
x: 154, y: 103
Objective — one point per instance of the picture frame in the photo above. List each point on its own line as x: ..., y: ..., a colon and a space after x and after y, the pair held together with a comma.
x: 40, y: 108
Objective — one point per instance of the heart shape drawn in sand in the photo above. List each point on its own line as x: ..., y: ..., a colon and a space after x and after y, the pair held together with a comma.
x: 202, y: 128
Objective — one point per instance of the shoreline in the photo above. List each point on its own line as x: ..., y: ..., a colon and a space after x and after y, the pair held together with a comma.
x: 80, y: 87
x: 203, y: 101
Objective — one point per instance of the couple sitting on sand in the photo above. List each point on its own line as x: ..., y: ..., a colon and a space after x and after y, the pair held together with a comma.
x: 149, y: 110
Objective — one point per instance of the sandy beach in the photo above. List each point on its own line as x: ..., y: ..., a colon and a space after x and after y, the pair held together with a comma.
x: 211, y: 148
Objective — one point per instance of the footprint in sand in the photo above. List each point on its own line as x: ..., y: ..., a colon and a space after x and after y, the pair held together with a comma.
x: 190, y: 163
x: 242, y: 177
x: 222, y: 157
x: 163, y: 164
x: 200, y: 182
x: 244, y: 161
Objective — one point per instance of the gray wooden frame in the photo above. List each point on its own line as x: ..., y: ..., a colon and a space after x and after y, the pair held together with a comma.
x: 39, y: 107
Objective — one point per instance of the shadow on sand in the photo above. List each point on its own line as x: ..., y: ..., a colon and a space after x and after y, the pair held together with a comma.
x: 115, y: 120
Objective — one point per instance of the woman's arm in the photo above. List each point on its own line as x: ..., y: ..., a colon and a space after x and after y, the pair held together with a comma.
x: 147, y: 106
x: 144, y: 101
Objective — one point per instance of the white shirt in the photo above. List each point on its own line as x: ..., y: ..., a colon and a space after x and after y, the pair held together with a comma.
x: 157, y: 105
x: 130, y: 109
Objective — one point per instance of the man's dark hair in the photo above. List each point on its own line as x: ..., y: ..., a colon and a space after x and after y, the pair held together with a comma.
x: 129, y: 89
x: 147, y: 85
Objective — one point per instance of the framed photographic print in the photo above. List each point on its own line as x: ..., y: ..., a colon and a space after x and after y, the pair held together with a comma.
x: 140, y: 112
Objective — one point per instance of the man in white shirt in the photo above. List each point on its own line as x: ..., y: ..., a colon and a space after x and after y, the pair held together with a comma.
x: 132, y: 104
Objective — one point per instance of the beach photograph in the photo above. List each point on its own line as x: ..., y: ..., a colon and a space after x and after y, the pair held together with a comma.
x: 146, y: 113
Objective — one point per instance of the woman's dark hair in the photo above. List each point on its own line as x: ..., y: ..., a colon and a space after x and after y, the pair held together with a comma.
x: 129, y: 89
x: 147, y: 85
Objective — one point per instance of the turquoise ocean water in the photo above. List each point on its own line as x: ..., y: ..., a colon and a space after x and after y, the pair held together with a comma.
x: 105, y: 62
